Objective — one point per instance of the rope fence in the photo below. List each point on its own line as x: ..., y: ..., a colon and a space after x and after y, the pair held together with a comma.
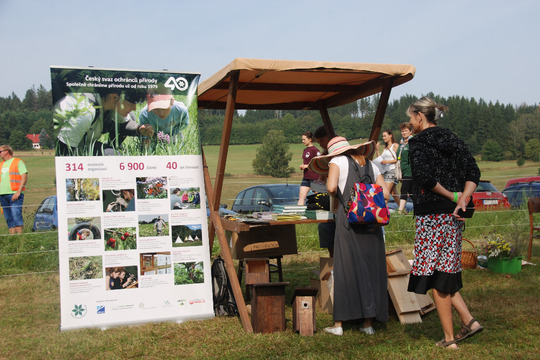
x: 299, y: 237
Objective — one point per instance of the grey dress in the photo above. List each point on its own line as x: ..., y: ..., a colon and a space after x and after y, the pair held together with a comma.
x: 360, y: 278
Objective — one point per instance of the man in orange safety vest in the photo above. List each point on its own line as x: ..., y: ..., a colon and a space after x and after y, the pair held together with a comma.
x: 12, y: 181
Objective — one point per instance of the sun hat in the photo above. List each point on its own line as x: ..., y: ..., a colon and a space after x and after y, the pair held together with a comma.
x: 158, y: 101
x: 337, y: 146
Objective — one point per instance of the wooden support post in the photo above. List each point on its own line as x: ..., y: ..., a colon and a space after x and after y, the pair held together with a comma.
x: 226, y: 255
x: 229, y: 265
x: 225, y: 137
x: 224, y: 147
x: 381, y: 109
x: 212, y: 205
x: 326, y: 120
x: 209, y: 195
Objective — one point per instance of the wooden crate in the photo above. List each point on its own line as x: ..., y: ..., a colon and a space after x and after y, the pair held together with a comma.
x: 268, y: 307
x: 304, y: 310
x: 409, y: 306
x: 264, y: 241
x: 324, y: 299
x: 257, y: 271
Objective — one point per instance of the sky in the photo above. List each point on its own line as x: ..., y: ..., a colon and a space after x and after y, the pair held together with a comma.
x: 487, y: 49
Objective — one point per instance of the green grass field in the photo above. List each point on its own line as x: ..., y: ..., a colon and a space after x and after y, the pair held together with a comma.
x: 507, y: 307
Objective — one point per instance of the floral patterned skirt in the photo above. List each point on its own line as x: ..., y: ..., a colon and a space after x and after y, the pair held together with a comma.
x: 437, y: 249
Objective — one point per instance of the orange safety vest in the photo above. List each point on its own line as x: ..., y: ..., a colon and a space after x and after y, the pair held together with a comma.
x: 14, y: 177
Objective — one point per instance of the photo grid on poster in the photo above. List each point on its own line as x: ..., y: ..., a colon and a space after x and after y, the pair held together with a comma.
x: 130, y: 200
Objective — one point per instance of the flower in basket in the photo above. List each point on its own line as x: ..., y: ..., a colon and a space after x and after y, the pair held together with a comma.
x: 496, y: 246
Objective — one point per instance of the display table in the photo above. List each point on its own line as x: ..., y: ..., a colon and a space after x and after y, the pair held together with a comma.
x: 271, y: 240
x: 256, y: 240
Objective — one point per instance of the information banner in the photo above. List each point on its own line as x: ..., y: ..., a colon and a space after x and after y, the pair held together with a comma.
x: 133, y: 235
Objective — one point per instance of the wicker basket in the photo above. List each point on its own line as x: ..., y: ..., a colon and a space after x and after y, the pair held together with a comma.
x: 469, y: 259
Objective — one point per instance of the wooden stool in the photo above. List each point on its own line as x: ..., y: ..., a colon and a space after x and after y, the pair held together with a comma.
x: 304, y: 310
x: 274, y: 268
x: 268, y: 307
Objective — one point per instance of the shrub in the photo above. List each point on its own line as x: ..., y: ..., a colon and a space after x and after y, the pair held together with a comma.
x: 273, y: 156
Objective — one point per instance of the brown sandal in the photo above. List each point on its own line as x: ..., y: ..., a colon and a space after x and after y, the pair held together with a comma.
x: 466, y: 331
x: 445, y: 344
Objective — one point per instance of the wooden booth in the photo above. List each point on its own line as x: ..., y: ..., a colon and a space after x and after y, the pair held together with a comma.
x: 247, y: 84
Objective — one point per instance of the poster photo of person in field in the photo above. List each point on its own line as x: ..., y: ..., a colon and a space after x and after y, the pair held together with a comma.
x: 102, y: 112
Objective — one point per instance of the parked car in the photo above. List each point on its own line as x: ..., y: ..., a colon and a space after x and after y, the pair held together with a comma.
x: 487, y: 197
x: 222, y: 210
x: 46, y: 217
x: 523, y: 180
x: 519, y: 193
x: 393, y: 206
x: 263, y: 197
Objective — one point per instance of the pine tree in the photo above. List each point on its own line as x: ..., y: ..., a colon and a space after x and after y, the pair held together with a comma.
x: 273, y: 156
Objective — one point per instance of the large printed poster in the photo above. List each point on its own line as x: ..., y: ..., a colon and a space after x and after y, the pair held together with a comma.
x: 133, y: 239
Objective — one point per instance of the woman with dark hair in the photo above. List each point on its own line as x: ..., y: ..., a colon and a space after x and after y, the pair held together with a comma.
x: 445, y: 176
x: 360, y: 278
x: 309, y: 176
x: 387, y: 161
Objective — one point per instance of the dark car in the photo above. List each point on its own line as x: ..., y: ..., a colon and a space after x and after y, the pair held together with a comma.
x: 519, y: 194
x: 222, y: 210
x: 487, y: 197
x: 46, y: 217
x: 523, y: 180
x: 264, y: 197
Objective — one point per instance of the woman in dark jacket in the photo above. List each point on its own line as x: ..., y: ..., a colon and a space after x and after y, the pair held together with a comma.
x: 445, y: 176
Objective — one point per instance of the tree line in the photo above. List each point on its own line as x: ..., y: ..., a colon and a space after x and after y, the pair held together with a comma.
x: 494, y: 130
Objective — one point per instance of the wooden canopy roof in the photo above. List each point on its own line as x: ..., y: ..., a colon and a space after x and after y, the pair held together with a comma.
x: 286, y: 85
x: 298, y: 85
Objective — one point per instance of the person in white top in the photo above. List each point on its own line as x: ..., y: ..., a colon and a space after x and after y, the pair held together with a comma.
x: 359, y: 272
x: 386, y: 162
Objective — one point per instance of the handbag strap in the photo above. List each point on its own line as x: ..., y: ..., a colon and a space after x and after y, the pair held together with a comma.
x: 367, y: 171
x: 392, y: 152
x: 401, y: 150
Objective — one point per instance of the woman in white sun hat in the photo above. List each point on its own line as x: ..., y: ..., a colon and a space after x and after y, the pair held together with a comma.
x: 360, y: 289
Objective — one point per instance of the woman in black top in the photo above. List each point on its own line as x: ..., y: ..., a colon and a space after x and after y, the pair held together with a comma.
x: 445, y: 176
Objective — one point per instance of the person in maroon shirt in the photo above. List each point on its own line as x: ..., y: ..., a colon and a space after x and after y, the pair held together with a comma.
x: 309, y: 176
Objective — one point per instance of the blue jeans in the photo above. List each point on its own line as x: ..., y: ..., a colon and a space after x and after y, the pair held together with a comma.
x: 12, y: 210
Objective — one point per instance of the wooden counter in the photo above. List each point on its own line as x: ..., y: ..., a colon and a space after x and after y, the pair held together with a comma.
x: 256, y: 240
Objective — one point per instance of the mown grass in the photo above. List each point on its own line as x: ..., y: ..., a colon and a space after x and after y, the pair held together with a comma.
x: 506, y: 305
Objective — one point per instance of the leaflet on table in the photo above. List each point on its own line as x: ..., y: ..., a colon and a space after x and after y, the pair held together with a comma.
x: 145, y: 230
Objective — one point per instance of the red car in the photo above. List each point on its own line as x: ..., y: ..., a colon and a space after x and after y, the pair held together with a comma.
x: 524, y: 180
x: 487, y: 197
